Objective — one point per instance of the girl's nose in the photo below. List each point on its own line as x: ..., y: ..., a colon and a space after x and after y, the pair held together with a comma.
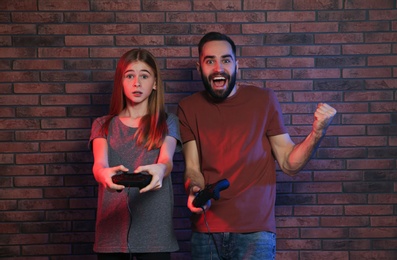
x: 136, y: 82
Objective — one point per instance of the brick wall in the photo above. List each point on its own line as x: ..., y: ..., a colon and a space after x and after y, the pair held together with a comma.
x: 56, y: 70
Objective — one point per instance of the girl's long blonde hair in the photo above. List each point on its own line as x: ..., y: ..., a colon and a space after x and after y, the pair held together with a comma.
x: 153, y: 126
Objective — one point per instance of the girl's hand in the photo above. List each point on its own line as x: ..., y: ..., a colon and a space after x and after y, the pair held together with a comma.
x: 104, y: 177
x: 157, y: 171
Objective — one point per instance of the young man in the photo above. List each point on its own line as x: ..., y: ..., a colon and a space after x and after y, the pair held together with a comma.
x: 236, y: 133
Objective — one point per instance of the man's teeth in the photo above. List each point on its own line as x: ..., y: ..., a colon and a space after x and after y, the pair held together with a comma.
x: 219, y: 78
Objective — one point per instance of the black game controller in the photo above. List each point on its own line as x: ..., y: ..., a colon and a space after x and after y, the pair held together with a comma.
x: 211, y: 191
x: 140, y: 180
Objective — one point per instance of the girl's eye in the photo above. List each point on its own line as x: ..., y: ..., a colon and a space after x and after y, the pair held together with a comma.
x: 145, y: 76
x: 129, y: 76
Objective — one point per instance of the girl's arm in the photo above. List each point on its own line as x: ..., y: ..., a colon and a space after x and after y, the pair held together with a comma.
x: 102, y: 173
x: 163, y: 167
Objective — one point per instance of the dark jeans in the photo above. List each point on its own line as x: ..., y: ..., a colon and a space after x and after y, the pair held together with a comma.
x: 233, y: 246
x: 138, y: 256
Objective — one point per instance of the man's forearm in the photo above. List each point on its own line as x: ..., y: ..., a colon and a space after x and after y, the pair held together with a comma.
x: 302, y: 152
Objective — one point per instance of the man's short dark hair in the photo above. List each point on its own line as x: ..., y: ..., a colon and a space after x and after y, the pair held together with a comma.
x: 216, y: 36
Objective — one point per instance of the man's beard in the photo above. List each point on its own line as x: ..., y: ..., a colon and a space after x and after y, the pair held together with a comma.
x: 219, y: 94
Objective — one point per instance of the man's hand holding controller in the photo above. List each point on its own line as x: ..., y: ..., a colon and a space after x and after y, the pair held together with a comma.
x: 202, y: 198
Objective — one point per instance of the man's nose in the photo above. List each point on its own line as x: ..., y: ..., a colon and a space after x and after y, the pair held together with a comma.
x: 218, y: 67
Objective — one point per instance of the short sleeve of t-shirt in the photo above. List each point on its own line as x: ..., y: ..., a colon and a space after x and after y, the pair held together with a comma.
x: 173, y: 130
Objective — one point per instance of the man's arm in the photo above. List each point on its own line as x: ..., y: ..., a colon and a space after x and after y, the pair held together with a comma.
x: 193, y: 178
x: 292, y: 158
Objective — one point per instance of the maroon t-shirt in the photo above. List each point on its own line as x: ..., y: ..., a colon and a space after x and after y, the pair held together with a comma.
x: 232, y: 141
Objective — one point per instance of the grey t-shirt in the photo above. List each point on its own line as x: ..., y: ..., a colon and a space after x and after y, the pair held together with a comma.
x: 144, y: 221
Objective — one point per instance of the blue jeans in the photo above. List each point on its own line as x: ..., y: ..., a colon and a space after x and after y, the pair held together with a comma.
x: 233, y: 246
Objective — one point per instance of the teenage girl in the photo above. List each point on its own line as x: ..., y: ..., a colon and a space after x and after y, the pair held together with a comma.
x: 137, y: 135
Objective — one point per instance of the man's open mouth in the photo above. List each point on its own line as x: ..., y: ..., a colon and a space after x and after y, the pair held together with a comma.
x: 219, y: 81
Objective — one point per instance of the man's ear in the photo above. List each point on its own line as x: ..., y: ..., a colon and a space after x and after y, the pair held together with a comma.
x: 198, y: 66
x: 236, y: 66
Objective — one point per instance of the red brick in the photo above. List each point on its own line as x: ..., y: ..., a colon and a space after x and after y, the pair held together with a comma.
x: 17, y: 29
x: 141, y: 17
x: 40, y: 135
x: 363, y: 4
x: 120, y: 5
x: 318, y: 210
x: 39, y: 158
x: 17, y: 53
x: 202, y: 28
x: 290, y: 62
x: 37, y: 17
x: 243, y: 17
x: 267, y: 74
x: 367, y: 73
x: 202, y: 5
x: 387, y: 232
x: 19, y: 100
x: 339, y: 38
x: 167, y: 5
x: 364, y: 26
x: 38, y: 88
x: 92, y: 17
x: 281, y: 16
x: 315, y: 27
x: 77, y: 5
x: 366, y: 49
x: 135, y: 40
x: 341, y: 199
x: 22, y: 169
x: 370, y: 164
x: 89, y: 40
x: 382, y: 61
x: 288, y: 85
x: 19, y: 147
x: 267, y: 5
x: 38, y: 64
x: 49, y: 249
x: 114, y: 29
x: 324, y: 232
x: 63, y: 29
x: 347, y: 244
x: 381, y: 83
x: 382, y: 14
x: 381, y: 37
x: 63, y: 146
x: 366, y: 119
x: 41, y: 112
x: 341, y: 15
x: 23, y: 5
x: 301, y: 244
x: 363, y: 141
x: 7, y: 112
x: 390, y: 244
x: 315, y: 50
x: 62, y: 52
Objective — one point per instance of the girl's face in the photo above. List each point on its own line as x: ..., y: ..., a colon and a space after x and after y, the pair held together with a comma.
x: 138, y: 82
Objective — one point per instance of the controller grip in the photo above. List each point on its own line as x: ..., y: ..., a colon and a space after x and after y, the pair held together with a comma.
x: 211, y: 191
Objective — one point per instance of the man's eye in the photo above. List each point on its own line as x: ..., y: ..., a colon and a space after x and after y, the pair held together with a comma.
x: 226, y: 61
x: 210, y: 62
